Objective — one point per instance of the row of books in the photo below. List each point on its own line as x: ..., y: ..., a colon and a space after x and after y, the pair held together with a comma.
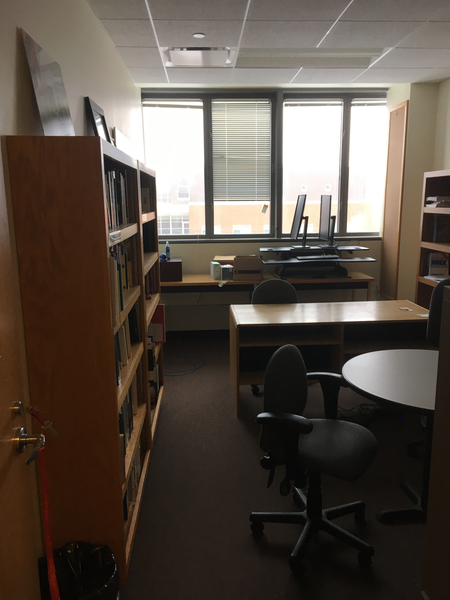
x: 441, y: 229
x: 124, y: 338
x: 151, y: 284
x: 122, y: 275
x: 126, y: 413
x: 149, y: 236
x: 129, y: 498
x: 116, y: 198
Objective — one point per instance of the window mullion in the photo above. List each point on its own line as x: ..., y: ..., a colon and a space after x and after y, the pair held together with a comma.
x: 345, y: 151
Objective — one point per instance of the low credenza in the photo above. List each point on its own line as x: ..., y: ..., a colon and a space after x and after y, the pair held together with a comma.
x: 203, y: 283
x: 327, y: 334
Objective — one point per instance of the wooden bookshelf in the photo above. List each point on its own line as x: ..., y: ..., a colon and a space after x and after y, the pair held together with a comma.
x: 434, y: 231
x: 87, y: 244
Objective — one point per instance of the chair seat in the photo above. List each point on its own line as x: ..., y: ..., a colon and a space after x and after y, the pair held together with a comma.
x: 337, y: 448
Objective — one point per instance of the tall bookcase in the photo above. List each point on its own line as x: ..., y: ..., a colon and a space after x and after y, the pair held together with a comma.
x: 434, y: 230
x: 87, y: 244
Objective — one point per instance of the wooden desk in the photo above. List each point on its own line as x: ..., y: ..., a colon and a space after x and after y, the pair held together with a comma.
x: 327, y: 334
x: 203, y: 283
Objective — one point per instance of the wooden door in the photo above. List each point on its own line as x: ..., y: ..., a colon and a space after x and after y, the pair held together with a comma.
x: 20, y: 535
x: 390, y: 244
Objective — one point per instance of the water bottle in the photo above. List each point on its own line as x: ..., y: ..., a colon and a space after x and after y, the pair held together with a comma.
x: 167, y: 250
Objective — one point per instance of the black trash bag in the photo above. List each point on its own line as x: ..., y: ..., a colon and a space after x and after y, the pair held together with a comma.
x: 84, y: 572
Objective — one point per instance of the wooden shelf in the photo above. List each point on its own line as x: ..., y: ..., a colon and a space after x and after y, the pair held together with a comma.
x: 434, y: 231
x: 74, y: 272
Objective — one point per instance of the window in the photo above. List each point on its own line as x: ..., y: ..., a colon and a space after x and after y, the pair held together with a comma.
x: 232, y: 165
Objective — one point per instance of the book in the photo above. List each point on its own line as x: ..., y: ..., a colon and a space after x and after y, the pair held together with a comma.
x: 441, y: 229
x: 157, y: 328
x: 438, y: 264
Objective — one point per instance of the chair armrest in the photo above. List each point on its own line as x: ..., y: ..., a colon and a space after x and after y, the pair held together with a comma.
x: 330, y: 383
x: 295, y: 423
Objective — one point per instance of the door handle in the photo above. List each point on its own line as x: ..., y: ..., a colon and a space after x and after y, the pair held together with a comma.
x: 22, y: 439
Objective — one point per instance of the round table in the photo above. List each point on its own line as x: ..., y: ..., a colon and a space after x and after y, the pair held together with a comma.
x: 405, y: 378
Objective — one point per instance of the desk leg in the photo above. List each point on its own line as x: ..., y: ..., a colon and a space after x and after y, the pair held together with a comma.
x: 418, y: 512
x: 234, y: 361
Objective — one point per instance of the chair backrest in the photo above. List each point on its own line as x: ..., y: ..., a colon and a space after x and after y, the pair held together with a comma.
x: 285, y: 388
x: 274, y: 291
x: 435, y: 313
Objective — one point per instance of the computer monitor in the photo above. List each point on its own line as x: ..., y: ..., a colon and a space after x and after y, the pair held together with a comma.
x: 299, y: 218
x: 327, y: 222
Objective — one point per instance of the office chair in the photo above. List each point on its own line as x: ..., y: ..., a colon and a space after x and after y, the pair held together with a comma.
x: 433, y: 337
x: 337, y: 448
x: 273, y: 291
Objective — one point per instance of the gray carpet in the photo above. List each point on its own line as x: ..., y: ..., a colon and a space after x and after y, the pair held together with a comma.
x: 194, y: 540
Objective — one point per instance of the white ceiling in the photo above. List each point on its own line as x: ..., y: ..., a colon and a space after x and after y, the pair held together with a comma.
x: 283, y: 42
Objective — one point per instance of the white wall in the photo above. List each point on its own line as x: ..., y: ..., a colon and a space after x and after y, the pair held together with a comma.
x: 69, y: 32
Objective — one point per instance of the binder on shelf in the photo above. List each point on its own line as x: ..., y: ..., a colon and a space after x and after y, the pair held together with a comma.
x: 157, y: 327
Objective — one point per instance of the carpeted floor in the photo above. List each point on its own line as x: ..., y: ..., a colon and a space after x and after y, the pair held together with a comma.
x: 194, y: 540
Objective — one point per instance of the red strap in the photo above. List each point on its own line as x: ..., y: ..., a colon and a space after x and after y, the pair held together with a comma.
x: 53, y: 582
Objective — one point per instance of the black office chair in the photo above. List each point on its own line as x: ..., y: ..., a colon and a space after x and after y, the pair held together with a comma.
x: 433, y: 337
x: 338, y: 448
x: 273, y: 291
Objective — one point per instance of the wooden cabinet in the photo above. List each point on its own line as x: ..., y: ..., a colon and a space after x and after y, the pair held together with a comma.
x: 87, y: 246
x: 434, y: 230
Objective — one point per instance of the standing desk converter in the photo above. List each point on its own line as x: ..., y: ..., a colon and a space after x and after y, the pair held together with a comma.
x: 327, y: 333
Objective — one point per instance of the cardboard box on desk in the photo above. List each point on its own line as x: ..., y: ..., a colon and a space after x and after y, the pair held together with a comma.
x: 247, y: 268
x: 171, y: 270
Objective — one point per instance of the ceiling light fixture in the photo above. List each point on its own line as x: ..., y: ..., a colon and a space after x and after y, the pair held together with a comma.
x: 199, y: 35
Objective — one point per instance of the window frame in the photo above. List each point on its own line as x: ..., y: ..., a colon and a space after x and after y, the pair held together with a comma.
x: 277, y: 98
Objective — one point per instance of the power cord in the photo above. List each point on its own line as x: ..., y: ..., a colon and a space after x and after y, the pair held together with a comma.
x: 187, y: 371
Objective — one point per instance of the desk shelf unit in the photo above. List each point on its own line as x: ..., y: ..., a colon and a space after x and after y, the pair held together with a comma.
x: 327, y: 334
x: 434, y: 231
x: 87, y: 245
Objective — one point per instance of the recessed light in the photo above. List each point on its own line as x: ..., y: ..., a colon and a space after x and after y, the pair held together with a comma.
x: 199, y: 35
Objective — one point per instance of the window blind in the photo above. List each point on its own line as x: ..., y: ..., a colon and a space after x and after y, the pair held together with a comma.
x: 241, y: 143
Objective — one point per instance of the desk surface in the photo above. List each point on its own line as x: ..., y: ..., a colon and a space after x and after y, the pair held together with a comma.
x: 326, y: 312
x: 204, y: 279
x: 405, y: 377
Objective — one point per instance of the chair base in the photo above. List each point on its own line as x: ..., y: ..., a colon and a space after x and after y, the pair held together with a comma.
x: 314, y: 519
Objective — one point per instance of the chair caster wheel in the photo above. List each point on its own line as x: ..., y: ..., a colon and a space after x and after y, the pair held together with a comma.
x: 255, y: 390
x: 257, y: 528
x: 297, y: 567
x: 364, y: 559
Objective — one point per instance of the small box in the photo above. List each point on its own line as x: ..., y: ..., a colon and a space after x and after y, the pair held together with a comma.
x: 438, y: 264
x: 227, y: 272
x: 216, y: 272
x: 224, y: 260
x: 171, y: 270
x: 247, y: 268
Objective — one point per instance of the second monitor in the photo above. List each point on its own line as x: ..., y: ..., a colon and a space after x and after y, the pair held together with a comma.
x: 327, y: 222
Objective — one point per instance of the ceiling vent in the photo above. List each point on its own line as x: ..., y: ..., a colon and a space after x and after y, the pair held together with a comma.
x: 286, y: 58
x: 198, y: 57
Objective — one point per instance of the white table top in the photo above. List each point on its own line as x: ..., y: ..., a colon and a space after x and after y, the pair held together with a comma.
x: 406, y: 377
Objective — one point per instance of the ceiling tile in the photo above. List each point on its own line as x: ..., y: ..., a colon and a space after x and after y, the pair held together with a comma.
x: 140, y: 57
x: 333, y: 76
x: 125, y: 32
x: 263, y: 76
x: 428, y: 35
x: 148, y: 76
x: 284, y: 34
x: 118, y: 9
x: 393, y: 10
x: 198, y: 9
x: 200, y: 76
x: 306, y: 10
x: 393, y: 76
x: 357, y: 34
x: 179, y: 33
x: 399, y: 58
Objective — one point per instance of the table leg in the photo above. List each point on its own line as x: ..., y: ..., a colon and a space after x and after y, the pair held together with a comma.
x: 418, y: 512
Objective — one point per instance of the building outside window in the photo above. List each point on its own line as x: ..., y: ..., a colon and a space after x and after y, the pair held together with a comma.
x: 215, y: 161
